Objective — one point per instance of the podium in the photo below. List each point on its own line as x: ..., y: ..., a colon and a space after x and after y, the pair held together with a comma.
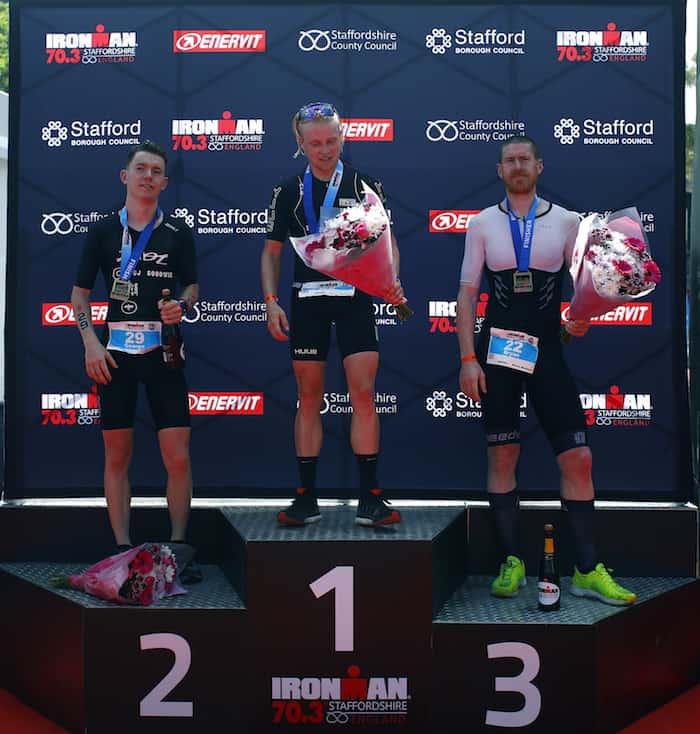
x: 328, y: 625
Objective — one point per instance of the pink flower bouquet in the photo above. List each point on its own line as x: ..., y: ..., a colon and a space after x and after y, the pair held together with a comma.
x: 354, y: 246
x: 610, y: 264
x: 140, y: 575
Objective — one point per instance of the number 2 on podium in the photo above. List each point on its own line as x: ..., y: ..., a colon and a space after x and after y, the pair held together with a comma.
x: 340, y: 579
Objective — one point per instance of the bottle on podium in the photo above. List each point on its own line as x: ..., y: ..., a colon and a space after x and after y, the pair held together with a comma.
x: 171, y: 341
x: 548, y: 586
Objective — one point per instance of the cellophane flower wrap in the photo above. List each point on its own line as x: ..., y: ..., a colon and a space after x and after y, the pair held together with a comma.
x: 610, y: 264
x: 141, y: 575
x: 354, y: 246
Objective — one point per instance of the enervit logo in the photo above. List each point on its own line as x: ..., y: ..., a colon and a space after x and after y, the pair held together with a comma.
x: 216, y: 41
x: 367, y: 129
x: 224, y: 133
x: 61, y: 314
x: 451, y: 220
x: 616, y: 408
x: 226, y: 312
x: 228, y: 221
x: 478, y: 130
x: 226, y: 403
x: 478, y: 42
x: 604, y: 132
x: 439, y: 404
x: 348, y: 39
x: 438, y: 41
x: 99, y: 46
x: 65, y: 223
x: 82, y: 133
x: 602, y: 45
x: 636, y: 313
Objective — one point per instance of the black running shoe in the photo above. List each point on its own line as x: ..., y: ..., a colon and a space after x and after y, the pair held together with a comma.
x: 373, y: 511
x: 302, y: 511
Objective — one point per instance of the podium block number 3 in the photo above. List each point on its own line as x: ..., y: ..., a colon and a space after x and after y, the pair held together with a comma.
x: 340, y: 579
x: 521, y: 684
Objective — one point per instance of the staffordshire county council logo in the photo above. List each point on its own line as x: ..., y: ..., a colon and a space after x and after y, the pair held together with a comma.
x: 438, y: 40
x: 438, y: 404
x: 566, y: 131
x: 314, y: 40
x: 54, y: 133
x: 441, y: 130
x: 56, y: 223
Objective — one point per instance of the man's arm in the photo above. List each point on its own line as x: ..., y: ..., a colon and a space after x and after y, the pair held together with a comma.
x: 96, y: 356
x: 270, y: 266
x: 471, y: 377
x: 172, y: 311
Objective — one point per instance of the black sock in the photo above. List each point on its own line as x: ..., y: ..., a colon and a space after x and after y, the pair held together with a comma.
x: 505, y: 511
x: 367, y: 464
x: 582, y: 523
x: 307, y: 472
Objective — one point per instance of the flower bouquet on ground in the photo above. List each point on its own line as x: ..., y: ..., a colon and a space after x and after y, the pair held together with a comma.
x: 610, y: 264
x: 141, y: 575
x: 354, y: 246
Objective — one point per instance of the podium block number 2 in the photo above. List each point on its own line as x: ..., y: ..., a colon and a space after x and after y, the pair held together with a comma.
x: 340, y: 579
x: 153, y: 704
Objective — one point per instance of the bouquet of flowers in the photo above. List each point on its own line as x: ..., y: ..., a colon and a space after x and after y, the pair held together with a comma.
x: 354, y: 246
x: 140, y: 575
x: 611, y: 264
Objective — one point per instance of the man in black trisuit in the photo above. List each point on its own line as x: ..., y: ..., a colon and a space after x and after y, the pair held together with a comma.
x: 140, y: 251
x: 318, y: 302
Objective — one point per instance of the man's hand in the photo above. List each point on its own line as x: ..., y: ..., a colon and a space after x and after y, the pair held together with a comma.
x: 170, y: 311
x: 96, y: 359
x: 277, y: 323
x: 472, y: 380
x: 577, y: 328
x: 395, y: 295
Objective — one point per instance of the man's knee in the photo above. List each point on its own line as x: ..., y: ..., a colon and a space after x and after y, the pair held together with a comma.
x: 576, y: 463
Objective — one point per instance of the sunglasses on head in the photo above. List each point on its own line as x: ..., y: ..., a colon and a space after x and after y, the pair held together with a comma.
x: 315, y: 110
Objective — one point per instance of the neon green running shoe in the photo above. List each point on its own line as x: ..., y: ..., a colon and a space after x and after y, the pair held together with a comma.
x: 599, y: 584
x: 510, y: 579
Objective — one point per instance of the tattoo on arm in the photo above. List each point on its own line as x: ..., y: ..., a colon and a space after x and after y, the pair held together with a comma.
x: 82, y: 320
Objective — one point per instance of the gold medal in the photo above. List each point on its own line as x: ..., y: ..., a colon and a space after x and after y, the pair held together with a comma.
x: 120, y: 289
x: 522, y: 282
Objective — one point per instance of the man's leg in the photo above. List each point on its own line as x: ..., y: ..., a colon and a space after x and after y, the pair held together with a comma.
x: 308, y: 437
x: 118, y: 451
x: 360, y: 373
x: 175, y: 451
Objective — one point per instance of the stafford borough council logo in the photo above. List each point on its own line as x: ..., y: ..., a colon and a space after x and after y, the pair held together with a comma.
x: 438, y: 41
x: 566, y: 131
x: 438, y: 404
x: 54, y: 133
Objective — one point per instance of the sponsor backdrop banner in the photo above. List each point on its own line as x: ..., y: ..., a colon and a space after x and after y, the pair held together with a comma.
x: 427, y: 93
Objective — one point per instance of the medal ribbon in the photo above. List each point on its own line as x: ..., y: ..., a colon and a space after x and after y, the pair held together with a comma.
x: 331, y: 192
x: 522, y: 243
x: 131, y: 255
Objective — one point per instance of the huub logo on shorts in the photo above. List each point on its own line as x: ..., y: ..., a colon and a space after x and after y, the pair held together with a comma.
x: 347, y: 39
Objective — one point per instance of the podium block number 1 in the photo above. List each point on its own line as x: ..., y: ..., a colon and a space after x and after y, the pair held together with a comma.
x: 341, y: 580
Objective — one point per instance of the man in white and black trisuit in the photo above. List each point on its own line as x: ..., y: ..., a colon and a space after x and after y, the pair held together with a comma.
x: 140, y: 251
x: 524, y: 245
x: 317, y: 303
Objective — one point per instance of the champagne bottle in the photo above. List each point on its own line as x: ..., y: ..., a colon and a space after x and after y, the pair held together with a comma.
x: 171, y: 341
x: 548, y: 587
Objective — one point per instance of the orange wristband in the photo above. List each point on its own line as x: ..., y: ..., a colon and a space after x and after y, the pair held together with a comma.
x: 270, y: 297
x: 469, y: 358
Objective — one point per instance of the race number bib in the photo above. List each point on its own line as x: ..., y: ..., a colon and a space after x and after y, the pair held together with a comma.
x: 326, y: 288
x: 134, y: 337
x: 515, y: 350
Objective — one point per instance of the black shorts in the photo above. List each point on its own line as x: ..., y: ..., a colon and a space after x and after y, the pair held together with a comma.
x: 551, y: 391
x: 166, y: 391
x: 311, y: 320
